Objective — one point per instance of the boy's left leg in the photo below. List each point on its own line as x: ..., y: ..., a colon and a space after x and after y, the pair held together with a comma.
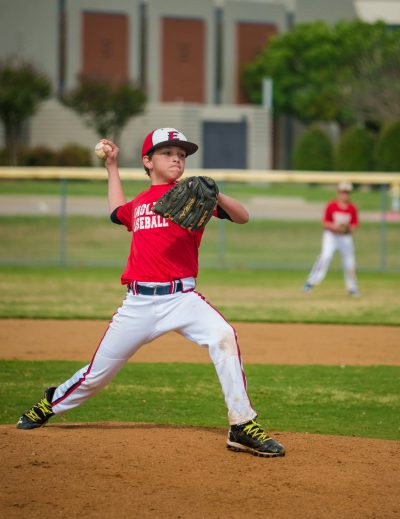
x: 346, y: 247
x: 199, y: 322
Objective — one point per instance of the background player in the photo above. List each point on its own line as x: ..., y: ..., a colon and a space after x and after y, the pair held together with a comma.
x: 161, y: 276
x: 340, y: 220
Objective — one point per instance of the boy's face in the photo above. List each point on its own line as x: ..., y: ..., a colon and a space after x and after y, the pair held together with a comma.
x: 166, y: 165
x: 344, y: 196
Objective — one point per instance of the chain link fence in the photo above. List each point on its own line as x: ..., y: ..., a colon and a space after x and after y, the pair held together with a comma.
x: 53, y: 217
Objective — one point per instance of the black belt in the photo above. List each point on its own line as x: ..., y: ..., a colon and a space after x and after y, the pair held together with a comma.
x: 157, y: 290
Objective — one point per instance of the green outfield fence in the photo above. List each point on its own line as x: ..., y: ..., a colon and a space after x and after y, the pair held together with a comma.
x: 58, y: 216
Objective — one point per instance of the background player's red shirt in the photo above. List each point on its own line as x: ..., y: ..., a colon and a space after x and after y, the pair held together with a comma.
x: 336, y: 214
x: 161, y: 250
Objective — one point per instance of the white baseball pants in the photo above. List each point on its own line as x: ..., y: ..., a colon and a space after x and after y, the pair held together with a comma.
x: 330, y: 243
x: 142, y: 319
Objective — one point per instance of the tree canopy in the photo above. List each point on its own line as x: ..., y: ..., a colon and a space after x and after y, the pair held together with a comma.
x: 319, y: 71
x: 22, y: 88
x: 105, y: 107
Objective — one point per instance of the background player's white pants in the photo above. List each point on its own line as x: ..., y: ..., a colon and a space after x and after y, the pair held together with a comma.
x: 142, y: 319
x: 330, y: 243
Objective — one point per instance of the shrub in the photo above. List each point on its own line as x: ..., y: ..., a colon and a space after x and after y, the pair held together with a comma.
x: 37, y: 156
x: 387, y: 155
x: 74, y: 155
x: 4, y: 157
x: 313, y: 151
x: 356, y: 151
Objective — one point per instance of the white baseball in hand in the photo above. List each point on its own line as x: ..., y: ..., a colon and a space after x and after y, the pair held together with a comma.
x: 101, y: 148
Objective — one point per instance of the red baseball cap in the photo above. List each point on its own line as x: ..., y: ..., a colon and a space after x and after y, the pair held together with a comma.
x: 167, y: 137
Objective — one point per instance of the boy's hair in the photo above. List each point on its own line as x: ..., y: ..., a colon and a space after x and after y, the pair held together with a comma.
x: 147, y: 169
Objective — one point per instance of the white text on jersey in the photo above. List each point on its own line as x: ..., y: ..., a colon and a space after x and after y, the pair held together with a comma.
x: 144, y: 218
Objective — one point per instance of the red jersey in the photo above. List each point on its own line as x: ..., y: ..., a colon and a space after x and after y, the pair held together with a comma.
x: 336, y: 214
x: 161, y: 250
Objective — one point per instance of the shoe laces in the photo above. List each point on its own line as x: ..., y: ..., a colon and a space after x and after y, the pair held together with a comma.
x: 39, y: 411
x: 254, y: 430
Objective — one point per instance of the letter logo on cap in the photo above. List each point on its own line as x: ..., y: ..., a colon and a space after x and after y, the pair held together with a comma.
x: 173, y: 135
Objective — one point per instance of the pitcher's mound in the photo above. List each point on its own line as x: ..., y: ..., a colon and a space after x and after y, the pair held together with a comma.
x: 124, y: 470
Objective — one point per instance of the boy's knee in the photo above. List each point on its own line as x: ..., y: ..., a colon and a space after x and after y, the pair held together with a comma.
x: 224, y: 344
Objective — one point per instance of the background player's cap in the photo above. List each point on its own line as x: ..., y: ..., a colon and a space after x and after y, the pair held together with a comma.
x: 167, y: 137
x: 345, y: 186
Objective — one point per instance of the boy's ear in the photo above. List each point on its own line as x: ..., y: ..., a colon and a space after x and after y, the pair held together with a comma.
x: 147, y: 163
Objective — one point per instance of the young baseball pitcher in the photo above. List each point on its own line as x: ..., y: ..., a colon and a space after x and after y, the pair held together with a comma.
x: 160, y: 276
x: 340, y: 220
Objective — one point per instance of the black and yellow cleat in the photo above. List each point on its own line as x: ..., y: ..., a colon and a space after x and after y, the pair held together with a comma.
x: 250, y: 437
x: 39, y: 413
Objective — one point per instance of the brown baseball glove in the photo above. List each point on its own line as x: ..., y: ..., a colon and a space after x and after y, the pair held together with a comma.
x: 190, y: 203
x: 344, y: 228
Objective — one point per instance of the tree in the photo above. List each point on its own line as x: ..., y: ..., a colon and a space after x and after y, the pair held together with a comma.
x: 22, y: 88
x: 374, y: 93
x: 301, y: 65
x: 105, y: 107
x: 315, y: 68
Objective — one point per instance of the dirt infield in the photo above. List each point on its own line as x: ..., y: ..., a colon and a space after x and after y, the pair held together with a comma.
x: 259, y: 343
x: 122, y: 470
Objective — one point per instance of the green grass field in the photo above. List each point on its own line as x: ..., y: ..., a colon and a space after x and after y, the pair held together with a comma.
x: 349, y: 401
x: 357, y: 401
x: 367, y: 199
x: 242, y: 295
x: 260, y: 244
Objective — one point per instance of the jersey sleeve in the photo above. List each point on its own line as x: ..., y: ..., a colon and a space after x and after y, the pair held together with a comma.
x: 354, y: 216
x: 328, y: 215
x: 122, y: 215
x: 221, y: 214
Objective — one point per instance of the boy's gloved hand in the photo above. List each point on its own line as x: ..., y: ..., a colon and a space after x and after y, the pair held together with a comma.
x: 190, y: 203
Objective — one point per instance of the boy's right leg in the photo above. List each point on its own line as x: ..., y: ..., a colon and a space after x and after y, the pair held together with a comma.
x: 130, y: 328
x: 320, y: 267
